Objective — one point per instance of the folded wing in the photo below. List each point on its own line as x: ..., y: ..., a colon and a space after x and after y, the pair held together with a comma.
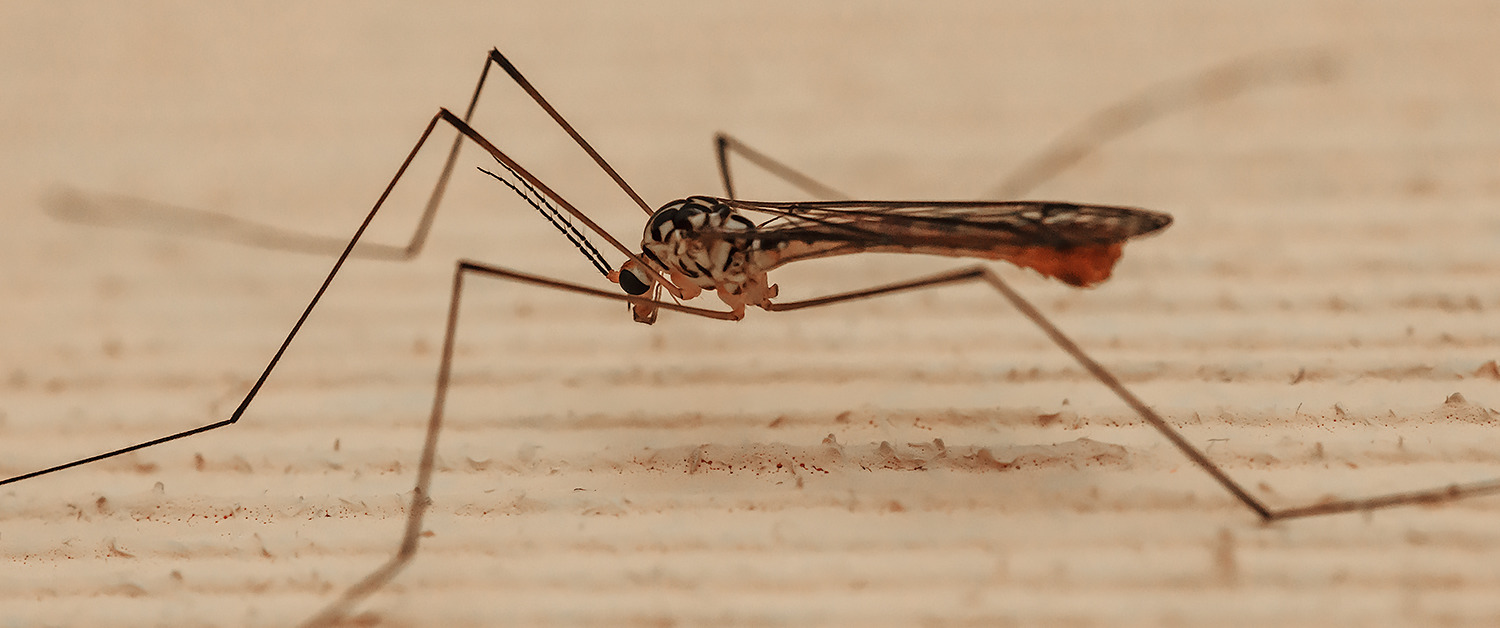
x: 1077, y: 244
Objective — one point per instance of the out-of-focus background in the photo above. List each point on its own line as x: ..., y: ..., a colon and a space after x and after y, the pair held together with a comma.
x: 928, y: 459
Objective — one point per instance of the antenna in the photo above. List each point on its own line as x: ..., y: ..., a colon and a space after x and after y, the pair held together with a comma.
x: 557, y: 218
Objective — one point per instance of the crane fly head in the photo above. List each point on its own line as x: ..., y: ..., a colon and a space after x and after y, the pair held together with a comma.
x: 636, y: 281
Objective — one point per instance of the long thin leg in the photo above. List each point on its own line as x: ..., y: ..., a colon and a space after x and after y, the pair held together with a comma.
x: 1216, y: 84
x: 421, y: 492
x: 980, y: 273
x: 543, y: 188
x: 249, y: 396
x: 1114, y: 385
x: 725, y: 143
x: 118, y: 211
x: 339, y: 609
x: 443, y: 115
x: 424, y: 226
x: 515, y: 74
x: 420, y: 499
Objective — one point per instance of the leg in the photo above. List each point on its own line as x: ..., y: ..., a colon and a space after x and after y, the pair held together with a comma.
x: 541, y: 190
x: 420, y: 500
x: 980, y: 273
x: 724, y: 143
x: 443, y: 115
x: 1214, y: 85
x: 249, y: 396
x: 74, y: 206
x: 421, y: 491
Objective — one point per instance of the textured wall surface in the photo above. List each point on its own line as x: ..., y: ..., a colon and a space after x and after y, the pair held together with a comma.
x: 926, y: 459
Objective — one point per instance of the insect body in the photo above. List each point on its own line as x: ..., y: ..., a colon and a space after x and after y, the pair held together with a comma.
x: 707, y: 243
x: 697, y: 242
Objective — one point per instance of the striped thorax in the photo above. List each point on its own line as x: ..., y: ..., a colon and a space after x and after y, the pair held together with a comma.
x: 693, y: 242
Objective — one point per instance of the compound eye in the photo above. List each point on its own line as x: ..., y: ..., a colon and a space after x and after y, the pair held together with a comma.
x: 634, y: 281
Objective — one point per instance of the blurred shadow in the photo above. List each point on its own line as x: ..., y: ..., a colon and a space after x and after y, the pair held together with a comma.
x: 67, y: 204
x: 1216, y: 84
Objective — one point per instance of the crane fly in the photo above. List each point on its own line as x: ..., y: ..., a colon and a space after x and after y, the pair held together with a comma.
x: 709, y: 243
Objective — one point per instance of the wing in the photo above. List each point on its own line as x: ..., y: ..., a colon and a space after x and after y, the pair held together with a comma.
x: 1078, y: 244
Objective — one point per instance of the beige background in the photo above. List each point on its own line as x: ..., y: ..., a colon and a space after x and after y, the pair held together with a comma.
x: 1345, y: 229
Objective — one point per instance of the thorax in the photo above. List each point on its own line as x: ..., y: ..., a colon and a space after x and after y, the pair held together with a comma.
x: 694, y: 237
